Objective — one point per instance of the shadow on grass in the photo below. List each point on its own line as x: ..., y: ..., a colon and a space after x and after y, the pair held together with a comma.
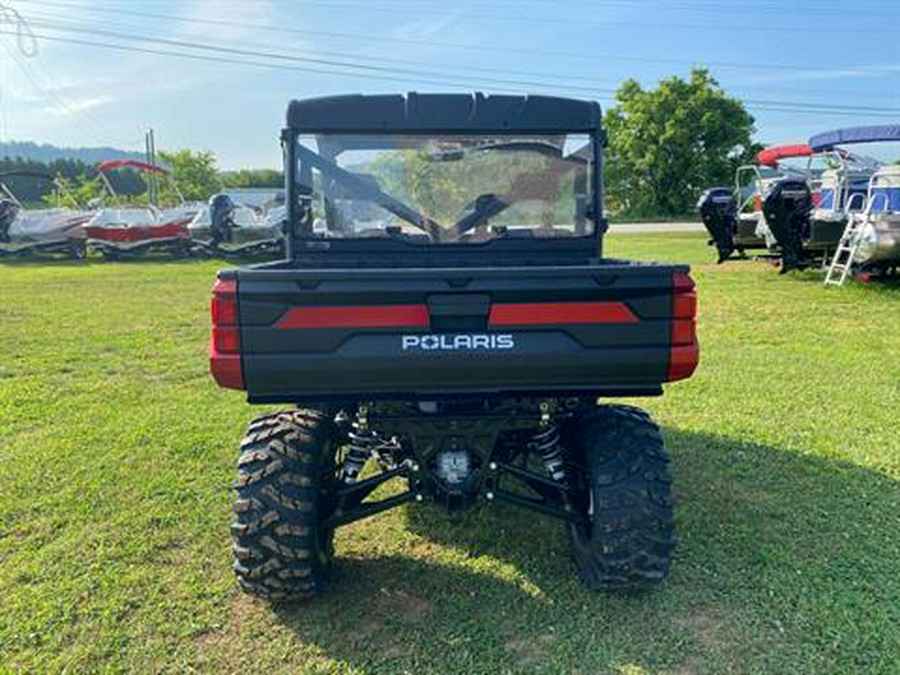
x: 771, y: 543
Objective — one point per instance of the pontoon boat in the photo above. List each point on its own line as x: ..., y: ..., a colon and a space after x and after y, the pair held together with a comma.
x: 871, y: 237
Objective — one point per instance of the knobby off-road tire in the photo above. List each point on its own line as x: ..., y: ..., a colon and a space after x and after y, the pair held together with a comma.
x: 621, y: 474
x: 281, y: 550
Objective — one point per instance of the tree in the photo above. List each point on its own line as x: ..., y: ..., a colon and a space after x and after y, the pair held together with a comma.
x: 252, y: 178
x: 78, y: 192
x: 668, y: 144
x: 194, y: 172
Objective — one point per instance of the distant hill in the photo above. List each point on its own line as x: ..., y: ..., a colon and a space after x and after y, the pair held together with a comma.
x: 46, y: 153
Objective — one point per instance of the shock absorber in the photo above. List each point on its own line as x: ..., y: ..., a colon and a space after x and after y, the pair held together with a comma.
x: 362, y: 441
x: 546, y: 444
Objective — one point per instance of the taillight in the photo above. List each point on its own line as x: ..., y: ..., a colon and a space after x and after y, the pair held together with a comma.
x: 684, y: 353
x: 224, y: 310
x: 225, y: 345
x: 227, y: 339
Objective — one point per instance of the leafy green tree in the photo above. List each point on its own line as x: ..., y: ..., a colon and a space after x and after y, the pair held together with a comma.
x: 194, y: 172
x: 78, y: 192
x: 252, y: 178
x: 668, y: 144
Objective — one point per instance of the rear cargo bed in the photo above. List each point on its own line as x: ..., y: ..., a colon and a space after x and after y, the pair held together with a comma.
x: 373, y: 333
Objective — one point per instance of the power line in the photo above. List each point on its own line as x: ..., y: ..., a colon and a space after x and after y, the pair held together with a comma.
x: 52, y: 20
x: 436, y: 43
x: 388, y: 77
x: 54, y: 98
x: 314, y: 61
x: 245, y: 62
x: 418, y: 10
x: 440, y: 77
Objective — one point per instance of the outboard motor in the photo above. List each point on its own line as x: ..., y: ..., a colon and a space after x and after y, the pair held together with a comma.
x: 8, y: 212
x: 221, y: 211
x: 718, y: 209
x: 786, y: 207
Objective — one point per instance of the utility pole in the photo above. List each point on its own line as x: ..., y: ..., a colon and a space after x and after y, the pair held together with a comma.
x: 151, y: 159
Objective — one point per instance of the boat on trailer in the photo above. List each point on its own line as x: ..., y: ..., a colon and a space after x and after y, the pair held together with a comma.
x: 53, y: 230
x: 870, y: 241
x: 129, y: 230
x: 230, y: 226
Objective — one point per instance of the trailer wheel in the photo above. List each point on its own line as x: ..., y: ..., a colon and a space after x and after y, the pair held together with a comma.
x: 281, y: 550
x: 622, y: 484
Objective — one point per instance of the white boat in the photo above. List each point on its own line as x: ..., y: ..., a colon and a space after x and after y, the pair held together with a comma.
x: 25, y: 231
x: 871, y: 236
x: 124, y: 230
x: 229, y: 227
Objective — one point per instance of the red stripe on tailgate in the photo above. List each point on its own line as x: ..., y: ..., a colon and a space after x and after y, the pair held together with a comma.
x: 529, y: 314
x: 356, y: 316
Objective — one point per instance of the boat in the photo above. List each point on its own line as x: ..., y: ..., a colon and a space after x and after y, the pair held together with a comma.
x: 52, y: 230
x: 808, y: 230
x: 870, y: 241
x: 228, y: 227
x: 734, y: 217
x: 129, y: 230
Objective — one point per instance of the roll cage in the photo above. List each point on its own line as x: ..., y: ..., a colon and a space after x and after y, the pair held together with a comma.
x: 508, y: 118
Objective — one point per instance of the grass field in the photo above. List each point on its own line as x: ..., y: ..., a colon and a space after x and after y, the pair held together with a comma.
x: 117, y: 452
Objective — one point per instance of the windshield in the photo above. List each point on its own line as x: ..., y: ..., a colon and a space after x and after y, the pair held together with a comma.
x: 445, y: 189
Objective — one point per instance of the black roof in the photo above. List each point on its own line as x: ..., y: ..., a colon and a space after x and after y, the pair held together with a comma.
x: 442, y: 113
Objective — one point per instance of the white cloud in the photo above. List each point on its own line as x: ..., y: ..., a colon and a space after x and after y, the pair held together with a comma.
x: 417, y: 30
x: 241, y: 17
x: 844, y: 73
x: 77, y: 105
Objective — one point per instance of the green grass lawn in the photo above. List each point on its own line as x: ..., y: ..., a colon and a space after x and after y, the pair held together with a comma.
x: 117, y: 454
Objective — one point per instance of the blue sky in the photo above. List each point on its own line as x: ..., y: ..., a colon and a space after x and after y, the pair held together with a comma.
x: 830, y: 65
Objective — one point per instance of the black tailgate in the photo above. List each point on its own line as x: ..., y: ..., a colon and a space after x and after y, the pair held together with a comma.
x: 372, y: 333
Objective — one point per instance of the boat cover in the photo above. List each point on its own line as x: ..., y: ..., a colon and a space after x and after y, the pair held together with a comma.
x: 871, y: 134
x: 771, y: 156
x: 47, y: 225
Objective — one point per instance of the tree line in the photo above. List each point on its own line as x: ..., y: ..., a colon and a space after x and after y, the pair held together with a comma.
x: 195, y: 173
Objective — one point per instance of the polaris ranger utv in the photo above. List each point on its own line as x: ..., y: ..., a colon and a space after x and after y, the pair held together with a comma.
x: 445, y: 322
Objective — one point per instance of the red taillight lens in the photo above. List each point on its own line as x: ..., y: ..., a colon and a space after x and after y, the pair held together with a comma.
x: 225, y: 346
x: 227, y: 340
x: 224, y: 303
x: 684, y: 353
x: 683, y: 332
x: 224, y: 311
x: 684, y: 304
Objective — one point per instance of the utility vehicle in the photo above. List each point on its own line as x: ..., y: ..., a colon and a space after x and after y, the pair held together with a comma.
x: 444, y: 327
